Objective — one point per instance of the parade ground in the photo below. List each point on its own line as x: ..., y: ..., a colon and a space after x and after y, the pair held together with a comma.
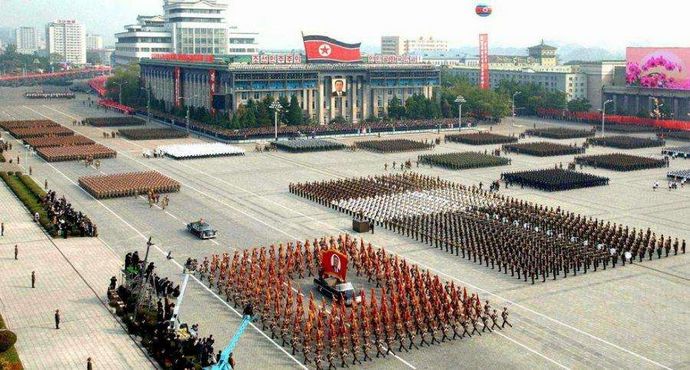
x: 631, y: 317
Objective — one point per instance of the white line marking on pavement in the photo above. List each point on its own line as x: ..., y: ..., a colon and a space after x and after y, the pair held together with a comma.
x: 531, y: 350
x: 175, y: 262
x: 439, y: 272
x: 341, y: 230
x: 210, y: 197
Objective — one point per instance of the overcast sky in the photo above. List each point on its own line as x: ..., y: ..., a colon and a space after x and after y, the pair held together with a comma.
x: 611, y: 24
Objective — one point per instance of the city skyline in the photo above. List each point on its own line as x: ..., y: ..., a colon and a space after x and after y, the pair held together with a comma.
x: 280, y: 23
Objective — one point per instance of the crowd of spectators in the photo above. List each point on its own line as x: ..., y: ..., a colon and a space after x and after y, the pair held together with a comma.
x: 66, y: 219
x: 151, y: 317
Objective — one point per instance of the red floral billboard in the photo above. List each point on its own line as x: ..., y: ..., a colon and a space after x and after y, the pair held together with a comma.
x: 658, y: 68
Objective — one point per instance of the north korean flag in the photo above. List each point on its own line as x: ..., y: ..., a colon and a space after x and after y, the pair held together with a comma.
x: 323, y: 49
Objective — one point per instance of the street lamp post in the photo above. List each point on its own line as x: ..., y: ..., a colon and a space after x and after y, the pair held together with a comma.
x: 514, y: 95
x: 188, y: 106
x: 603, y: 115
x: 276, y: 108
x: 119, y: 85
x: 460, y: 100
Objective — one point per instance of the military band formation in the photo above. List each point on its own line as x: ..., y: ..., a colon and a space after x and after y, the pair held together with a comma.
x: 405, y: 306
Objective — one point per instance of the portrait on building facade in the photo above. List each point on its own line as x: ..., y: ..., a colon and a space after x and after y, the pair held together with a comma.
x: 339, y: 87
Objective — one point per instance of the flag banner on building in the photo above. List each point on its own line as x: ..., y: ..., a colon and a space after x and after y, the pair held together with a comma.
x: 177, y: 88
x: 190, y: 58
x: 323, y: 49
x: 334, y: 264
x: 484, y: 61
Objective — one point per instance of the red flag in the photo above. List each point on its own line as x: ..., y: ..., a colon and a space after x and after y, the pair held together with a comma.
x: 334, y: 263
x: 323, y: 49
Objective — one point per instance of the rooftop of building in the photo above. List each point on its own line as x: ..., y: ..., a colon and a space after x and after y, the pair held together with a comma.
x: 292, y: 67
x: 543, y: 46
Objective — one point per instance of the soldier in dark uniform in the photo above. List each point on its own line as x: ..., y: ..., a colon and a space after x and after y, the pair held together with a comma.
x: 504, y: 316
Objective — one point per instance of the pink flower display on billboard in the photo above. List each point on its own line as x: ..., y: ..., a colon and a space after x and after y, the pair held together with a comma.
x: 658, y: 68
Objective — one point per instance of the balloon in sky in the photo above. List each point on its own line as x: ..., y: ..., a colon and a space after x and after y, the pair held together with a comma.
x: 483, y: 10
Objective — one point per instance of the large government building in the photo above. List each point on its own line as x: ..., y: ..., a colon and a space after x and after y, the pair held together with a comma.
x: 355, y: 91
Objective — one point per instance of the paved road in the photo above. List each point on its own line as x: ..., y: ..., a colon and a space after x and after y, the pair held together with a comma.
x: 69, y: 277
x: 632, y: 317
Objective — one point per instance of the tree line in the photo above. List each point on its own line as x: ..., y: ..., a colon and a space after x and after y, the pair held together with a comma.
x: 480, y: 104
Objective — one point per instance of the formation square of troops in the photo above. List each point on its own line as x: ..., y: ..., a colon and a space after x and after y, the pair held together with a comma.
x: 560, y: 133
x: 554, y: 179
x: 512, y: 236
x: 621, y: 162
x: 308, y: 145
x: 480, y: 138
x: 128, y: 184
x: 152, y: 133
x: 626, y: 142
x: 394, y: 145
x: 56, y: 143
x: 543, y: 149
x: 465, y: 160
x: 405, y: 306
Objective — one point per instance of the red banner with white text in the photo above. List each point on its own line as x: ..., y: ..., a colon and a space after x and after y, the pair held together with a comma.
x: 484, y: 61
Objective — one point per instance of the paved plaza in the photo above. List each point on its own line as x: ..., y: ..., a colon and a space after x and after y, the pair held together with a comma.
x: 635, y: 316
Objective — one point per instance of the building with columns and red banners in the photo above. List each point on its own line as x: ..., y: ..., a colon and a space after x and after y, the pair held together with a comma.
x: 331, y: 80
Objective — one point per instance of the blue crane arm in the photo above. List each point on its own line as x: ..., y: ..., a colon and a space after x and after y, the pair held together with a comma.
x: 224, y: 363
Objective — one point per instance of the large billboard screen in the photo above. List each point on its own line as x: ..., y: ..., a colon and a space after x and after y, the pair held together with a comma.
x: 658, y: 68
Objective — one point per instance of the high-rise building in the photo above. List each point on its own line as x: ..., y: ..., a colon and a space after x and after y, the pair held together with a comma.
x: 187, y: 27
x: 197, y: 26
x: 27, y: 40
x: 148, y: 36
x: 391, y: 45
x: 66, y: 38
x: 94, y: 42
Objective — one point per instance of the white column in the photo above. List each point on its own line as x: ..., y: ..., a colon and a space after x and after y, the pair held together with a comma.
x: 319, y: 101
x: 353, y: 102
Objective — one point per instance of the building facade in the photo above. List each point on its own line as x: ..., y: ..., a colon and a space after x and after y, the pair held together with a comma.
x: 148, y: 36
x: 186, y: 27
x: 424, y: 45
x: 396, y: 45
x: 94, y: 42
x: 599, y: 74
x: 391, y: 45
x: 27, y: 40
x: 66, y: 38
x: 242, y: 43
x: 567, y: 79
x: 544, y: 54
x: 197, y: 27
x: 636, y: 100
x: 366, y: 88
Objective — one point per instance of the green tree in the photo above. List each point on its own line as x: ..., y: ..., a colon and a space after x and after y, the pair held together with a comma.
x: 295, y: 115
x: 395, y: 108
x: 285, y: 103
x: 579, y: 105
x: 264, y: 113
x: 127, y: 79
